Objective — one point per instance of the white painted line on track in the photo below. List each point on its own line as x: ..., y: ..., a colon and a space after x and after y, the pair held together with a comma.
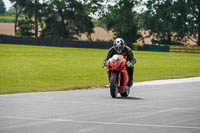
x: 185, y: 120
x: 27, y: 124
x: 156, y: 112
x: 168, y: 81
x: 100, y: 122
x: 144, y: 114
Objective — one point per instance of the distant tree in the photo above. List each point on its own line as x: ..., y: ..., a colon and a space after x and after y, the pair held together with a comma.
x: 34, y: 9
x: 2, y: 8
x: 121, y: 19
x: 171, y: 21
x: 65, y: 18
x: 19, y: 6
x: 159, y: 20
x: 28, y: 9
x: 26, y: 26
x: 193, y: 17
x: 94, y: 7
x: 11, y: 12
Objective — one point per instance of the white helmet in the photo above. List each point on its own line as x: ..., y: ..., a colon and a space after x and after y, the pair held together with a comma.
x: 119, y: 45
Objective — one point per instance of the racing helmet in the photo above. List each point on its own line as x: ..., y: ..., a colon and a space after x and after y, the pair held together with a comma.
x: 119, y: 45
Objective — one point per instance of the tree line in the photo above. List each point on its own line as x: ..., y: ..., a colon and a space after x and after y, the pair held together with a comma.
x: 167, y: 21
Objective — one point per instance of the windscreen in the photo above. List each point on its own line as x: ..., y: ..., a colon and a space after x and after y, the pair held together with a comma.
x: 117, y: 57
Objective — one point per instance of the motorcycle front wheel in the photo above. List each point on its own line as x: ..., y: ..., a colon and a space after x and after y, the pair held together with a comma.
x: 113, y: 86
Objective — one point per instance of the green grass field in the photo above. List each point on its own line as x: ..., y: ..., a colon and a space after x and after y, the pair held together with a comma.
x: 7, y: 19
x: 34, y: 68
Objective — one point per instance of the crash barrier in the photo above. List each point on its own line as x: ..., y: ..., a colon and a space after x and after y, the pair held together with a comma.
x: 167, y: 48
x: 91, y: 44
x: 159, y: 48
x: 53, y: 42
x: 185, y: 49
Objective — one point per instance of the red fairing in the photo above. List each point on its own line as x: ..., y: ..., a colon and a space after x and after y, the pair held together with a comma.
x: 115, y: 66
x: 125, y: 80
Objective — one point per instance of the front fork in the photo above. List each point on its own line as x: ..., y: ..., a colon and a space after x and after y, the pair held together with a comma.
x: 118, y: 74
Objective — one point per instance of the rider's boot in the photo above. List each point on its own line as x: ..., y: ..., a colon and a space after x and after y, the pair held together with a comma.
x: 130, y: 83
x: 130, y: 70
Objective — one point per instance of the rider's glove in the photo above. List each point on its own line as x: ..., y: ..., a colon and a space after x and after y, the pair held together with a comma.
x: 105, y: 62
x: 129, y: 64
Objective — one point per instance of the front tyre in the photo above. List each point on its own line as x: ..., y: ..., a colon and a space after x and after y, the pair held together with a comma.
x: 113, y: 86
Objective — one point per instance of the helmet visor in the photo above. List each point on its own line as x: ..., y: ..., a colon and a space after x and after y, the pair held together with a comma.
x: 119, y: 48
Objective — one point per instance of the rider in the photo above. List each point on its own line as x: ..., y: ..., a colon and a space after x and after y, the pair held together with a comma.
x: 119, y: 47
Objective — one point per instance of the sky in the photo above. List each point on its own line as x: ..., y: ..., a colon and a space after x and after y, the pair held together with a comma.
x: 7, y: 4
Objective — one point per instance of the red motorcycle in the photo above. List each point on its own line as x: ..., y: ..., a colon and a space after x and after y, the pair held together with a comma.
x: 118, y: 76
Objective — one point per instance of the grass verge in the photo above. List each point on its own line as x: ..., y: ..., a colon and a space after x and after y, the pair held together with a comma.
x: 7, y: 19
x: 34, y: 68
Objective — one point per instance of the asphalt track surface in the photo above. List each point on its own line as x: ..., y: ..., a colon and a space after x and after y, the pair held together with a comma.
x: 169, y: 106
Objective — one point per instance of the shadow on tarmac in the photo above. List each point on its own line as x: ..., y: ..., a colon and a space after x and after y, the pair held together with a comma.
x: 129, y: 98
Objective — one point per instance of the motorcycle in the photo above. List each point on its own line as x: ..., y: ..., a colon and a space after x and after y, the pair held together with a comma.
x: 118, y: 76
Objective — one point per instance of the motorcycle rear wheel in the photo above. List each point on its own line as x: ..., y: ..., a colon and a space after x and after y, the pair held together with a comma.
x: 113, y: 86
